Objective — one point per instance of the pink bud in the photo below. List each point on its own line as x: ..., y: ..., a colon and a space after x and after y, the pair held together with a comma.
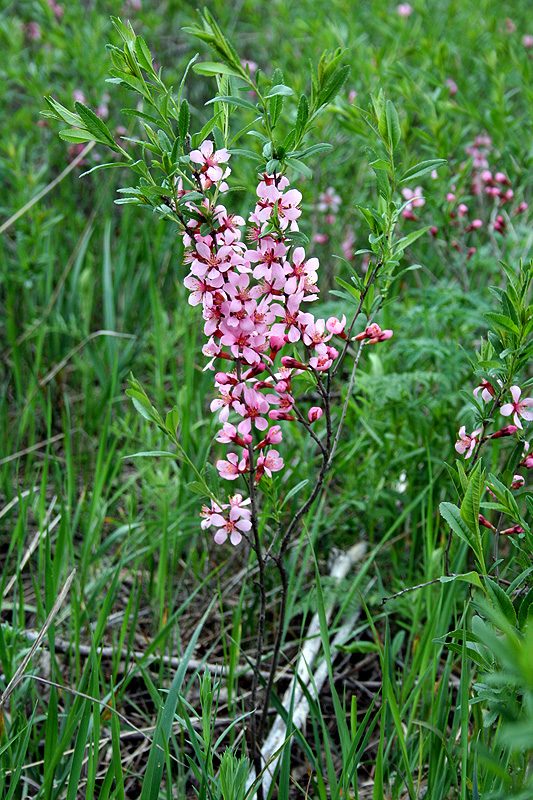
x: 527, y: 41
x: 462, y: 209
x: 514, y: 529
x: 292, y: 363
x: 450, y: 197
x: 474, y: 225
x: 509, y: 430
x: 471, y: 251
x: 518, y: 482
x: 320, y: 238
x: 485, y: 522
x: 314, y: 413
x: 433, y: 231
x: 276, y: 342
x: 486, y: 175
x: 522, y: 207
x: 501, y: 177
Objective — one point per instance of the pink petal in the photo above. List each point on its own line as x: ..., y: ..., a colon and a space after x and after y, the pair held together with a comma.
x: 516, y: 392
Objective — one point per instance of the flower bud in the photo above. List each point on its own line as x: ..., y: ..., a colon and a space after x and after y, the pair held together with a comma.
x: 485, y: 522
x: 509, y: 430
x: 292, y: 363
x: 314, y: 413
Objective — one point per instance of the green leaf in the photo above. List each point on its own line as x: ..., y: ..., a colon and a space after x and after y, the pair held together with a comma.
x: 452, y: 516
x: 299, y: 166
x: 144, y: 57
x: 468, y: 577
x: 302, y: 115
x: 393, y: 126
x: 110, y: 165
x: 280, y: 89
x: 215, y: 68
x: 184, y: 120
x: 293, y: 491
x: 422, y: 169
x: 408, y: 240
x: 76, y: 136
x: 172, y: 421
x: 94, y: 124
x: 501, y: 600
x: 196, y: 486
x: 472, y: 499
x: 501, y: 321
x: 234, y: 100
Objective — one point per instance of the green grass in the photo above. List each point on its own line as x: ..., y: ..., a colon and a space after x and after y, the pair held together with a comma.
x: 90, y: 291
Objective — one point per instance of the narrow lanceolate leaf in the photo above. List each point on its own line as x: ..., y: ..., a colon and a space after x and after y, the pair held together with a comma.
x: 95, y: 125
x: 393, y: 126
x: 184, y: 120
x: 215, y: 68
x: 452, y: 516
x: 501, y: 321
x: 422, y: 169
x: 472, y: 499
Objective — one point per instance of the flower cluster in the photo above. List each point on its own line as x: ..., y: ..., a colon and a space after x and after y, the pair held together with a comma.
x: 465, y: 210
x: 254, y: 298
x: 230, y: 519
x: 519, y: 408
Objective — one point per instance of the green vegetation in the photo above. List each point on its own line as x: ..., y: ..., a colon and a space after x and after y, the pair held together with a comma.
x: 141, y: 684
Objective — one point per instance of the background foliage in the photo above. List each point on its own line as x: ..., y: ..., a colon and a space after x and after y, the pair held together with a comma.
x: 90, y: 290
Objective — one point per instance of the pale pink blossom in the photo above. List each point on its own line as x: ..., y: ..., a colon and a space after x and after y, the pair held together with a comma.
x: 519, y: 408
x: 329, y: 200
x: 466, y: 443
x: 404, y: 10
x: 527, y: 41
x: 231, y: 468
x: 269, y: 463
x: 336, y: 326
x: 487, y: 390
x: 210, y: 160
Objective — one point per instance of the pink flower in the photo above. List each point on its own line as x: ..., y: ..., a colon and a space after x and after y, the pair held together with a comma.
x: 210, y: 161
x: 269, y: 463
x: 404, y: 10
x: 415, y: 198
x: 336, y: 326
x: 487, y: 390
x: 329, y: 201
x: 230, y: 527
x: 233, y: 467
x: 452, y: 86
x: 519, y: 408
x: 527, y: 41
x: 314, y: 413
x: 466, y: 443
x: 34, y: 31
x: 207, y: 514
